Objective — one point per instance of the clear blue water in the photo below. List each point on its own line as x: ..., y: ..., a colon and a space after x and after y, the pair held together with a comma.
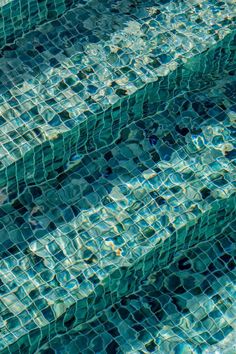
x: 117, y: 177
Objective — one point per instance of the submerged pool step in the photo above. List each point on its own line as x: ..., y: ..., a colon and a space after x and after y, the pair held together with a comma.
x: 188, y: 306
x: 157, y: 144
x: 117, y: 146
x: 100, y: 229
x: 19, y: 17
x: 71, y: 85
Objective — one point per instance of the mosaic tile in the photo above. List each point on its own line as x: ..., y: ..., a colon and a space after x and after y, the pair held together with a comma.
x: 117, y: 180
x: 18, y: 17
x: 85, y: 240
x: 187, y: 307
x: 68, y: 78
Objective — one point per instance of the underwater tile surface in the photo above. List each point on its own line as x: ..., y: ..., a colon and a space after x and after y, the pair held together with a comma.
x: 186, y: 307
x: 19, y: 16
x: 117, y: 178
x: 63, y: 83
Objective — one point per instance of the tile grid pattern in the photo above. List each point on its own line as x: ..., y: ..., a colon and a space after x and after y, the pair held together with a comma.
x: 187, y: 307
x: 162, y: 195
x: 64, y: 77
x: 117, y: 153
x: 19, y: 17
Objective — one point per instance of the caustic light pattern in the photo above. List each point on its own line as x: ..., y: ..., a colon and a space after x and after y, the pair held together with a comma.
x: 117, y: 177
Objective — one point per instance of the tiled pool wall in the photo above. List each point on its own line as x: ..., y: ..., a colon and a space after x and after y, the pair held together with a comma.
x: 19, y: 16
x: 61, y: 151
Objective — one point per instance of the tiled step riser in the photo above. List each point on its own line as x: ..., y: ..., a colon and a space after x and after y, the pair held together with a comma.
x: 126, y: 280
x: 49, y: 159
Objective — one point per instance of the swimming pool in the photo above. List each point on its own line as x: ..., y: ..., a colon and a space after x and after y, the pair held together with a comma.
x: 117, y: 176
